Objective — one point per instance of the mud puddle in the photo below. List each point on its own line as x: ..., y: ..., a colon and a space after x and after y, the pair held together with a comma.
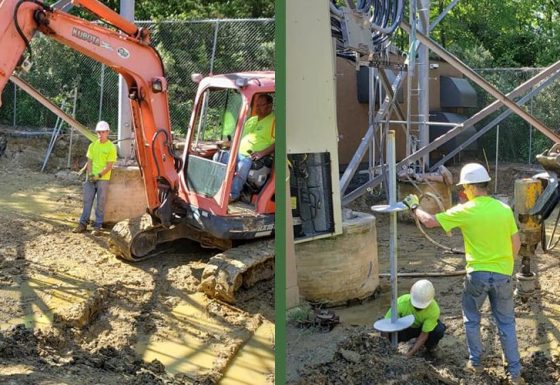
x: 254, y: 363
x: 367, y: 312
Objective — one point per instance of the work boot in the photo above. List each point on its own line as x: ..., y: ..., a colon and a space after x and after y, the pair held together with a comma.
x: 474, y: 369
x: 96, y: 231
x: 80, y: 228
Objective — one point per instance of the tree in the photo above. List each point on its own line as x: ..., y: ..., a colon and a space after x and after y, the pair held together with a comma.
x: 515, y: 32
x: 196, y: 9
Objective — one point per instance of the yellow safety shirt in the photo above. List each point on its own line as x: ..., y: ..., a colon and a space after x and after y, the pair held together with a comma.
x: 100, y: 154
x: 257, y: 134
x: 425, y: 318
x: 487, y: 225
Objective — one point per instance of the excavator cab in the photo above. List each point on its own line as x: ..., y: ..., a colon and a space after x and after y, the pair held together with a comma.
x: 222, y: 106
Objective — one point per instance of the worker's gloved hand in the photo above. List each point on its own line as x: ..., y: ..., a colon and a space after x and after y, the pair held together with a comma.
x: 92, y: 178
x: 411, y: 201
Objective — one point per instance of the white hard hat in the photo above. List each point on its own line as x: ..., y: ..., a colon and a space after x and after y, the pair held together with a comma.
x: 473, y: 173
x: 422, y: 293
x: 102, y: 126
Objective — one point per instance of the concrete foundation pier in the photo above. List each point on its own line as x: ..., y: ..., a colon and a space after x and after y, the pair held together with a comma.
x: 338, y: 269
x: 126, y: 196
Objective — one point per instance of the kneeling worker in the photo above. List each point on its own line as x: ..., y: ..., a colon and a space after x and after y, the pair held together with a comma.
x: 427, y: 328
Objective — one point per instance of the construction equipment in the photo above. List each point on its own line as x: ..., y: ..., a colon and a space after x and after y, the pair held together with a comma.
x: 536, y: 199
x: 188, y: 195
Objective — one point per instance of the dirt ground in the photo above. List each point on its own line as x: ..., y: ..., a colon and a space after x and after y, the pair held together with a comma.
x: 72, y: 313
x: 353, y: 353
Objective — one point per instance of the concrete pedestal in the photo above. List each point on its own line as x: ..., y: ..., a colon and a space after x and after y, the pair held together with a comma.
x: 126, y: 196
x: 342, y: 268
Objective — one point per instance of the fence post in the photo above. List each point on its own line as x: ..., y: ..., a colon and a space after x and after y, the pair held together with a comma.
x: 15, y: 106
x: 531, y: 130
x: 72, y: 128
x: 101, y: 91
x: 214, y: 46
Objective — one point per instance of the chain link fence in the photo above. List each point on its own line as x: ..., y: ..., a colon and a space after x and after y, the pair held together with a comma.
x: 186, y: 47
x: 513, y: 139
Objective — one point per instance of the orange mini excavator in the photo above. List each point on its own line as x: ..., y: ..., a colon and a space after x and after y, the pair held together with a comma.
x: 188, y: 195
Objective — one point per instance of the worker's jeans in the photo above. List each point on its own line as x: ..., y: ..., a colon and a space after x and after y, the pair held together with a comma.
x: 243, y: 167
x: 91, y: 190
x: 433, y: 337
x: 499, y: 289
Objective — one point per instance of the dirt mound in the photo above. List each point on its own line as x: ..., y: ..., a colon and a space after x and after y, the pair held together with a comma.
x: 365, y: 358
x: 540, y: 369
x: 42, y: 351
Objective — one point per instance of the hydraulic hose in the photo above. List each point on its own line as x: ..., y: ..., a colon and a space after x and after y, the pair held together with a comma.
x: 16, y: 23
x: 426, y: 274
x: 447, y: 249
x: 433, y: 196
x: 384, y: 18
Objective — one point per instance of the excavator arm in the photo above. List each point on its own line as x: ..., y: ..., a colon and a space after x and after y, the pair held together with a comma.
x: 127, y: 53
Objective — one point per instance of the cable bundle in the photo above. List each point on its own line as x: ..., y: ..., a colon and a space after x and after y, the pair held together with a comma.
x: 384, y: 17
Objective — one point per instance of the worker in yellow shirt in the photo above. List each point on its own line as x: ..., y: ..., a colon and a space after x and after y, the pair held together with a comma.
x: 101, y: 155
x: 427, y: 328
x: 491, y: 244
x: 257, y: 142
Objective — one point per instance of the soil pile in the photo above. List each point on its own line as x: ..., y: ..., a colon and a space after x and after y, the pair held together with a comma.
x: 366, y: 358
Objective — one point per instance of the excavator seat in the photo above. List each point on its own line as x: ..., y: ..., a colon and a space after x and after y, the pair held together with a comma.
x: 258, y: 175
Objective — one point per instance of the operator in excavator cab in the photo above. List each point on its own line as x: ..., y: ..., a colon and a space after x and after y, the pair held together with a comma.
x: 101, y: 155
x: 491, y: 243
x: 427, y: 328
x: 257, y: 143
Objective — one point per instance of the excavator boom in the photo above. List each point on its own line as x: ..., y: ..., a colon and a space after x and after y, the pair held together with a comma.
x: 128, y: 54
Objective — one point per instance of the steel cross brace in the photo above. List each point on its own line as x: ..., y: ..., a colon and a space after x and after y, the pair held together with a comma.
x: 492, y: 107
x: 53, y: 107
x: 364, y: 144
x: 476, y: 78
x: 496, y: 121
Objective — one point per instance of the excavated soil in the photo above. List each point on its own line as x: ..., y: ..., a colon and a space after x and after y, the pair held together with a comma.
x: 72, y: 313
x: 353, y: 353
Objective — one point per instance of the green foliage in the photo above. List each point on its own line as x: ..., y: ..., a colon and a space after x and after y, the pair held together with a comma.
x: 66, y: 70
x: 193, y: 9
x: 509, y: 33
x: 475, y: 56
x: 185, y: 48
x: 297, y: 315
x: 515, y: 32
x: 518, y: 142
